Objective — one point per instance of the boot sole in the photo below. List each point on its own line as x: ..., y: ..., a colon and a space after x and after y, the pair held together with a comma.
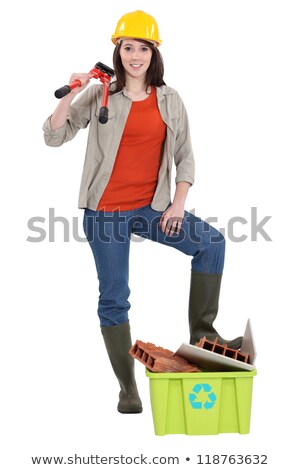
x: 130, y: 411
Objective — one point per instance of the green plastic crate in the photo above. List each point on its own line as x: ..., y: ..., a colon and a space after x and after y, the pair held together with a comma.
x: 201, y: 403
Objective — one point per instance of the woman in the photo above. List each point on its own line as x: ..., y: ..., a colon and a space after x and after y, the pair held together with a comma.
x: 125, y: 189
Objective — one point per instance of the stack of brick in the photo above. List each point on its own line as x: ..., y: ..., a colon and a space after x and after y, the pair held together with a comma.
x: 158, y: 359
x: 222, y: 349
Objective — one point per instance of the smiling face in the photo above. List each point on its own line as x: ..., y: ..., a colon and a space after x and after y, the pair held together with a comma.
x: 136, y: 57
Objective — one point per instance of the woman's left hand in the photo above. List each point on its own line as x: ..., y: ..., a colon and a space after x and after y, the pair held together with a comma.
x: 171, y: 220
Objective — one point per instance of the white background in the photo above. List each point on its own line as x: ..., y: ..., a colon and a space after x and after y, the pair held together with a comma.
x: 236, y: 66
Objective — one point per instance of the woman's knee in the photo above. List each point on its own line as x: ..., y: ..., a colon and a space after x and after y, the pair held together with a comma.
x: 217, y: 239
x: 218, y: 245
x: 215, y: 251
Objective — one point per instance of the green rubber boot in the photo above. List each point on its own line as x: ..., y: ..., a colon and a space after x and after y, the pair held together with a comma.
x: 203, y: 309
x: 117, y: 340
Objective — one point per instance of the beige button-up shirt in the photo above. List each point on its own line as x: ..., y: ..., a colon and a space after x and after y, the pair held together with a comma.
x: 104, y: 140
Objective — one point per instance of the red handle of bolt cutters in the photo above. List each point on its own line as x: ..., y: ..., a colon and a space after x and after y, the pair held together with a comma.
x: 64, y: 90
x: 74, y: 84
x: 105, y: 80
x: 92, y: 74
x: 105, y: 94
x: 103, y: 116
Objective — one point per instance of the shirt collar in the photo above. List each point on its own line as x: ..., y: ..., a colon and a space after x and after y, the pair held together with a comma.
x: 161, y: 92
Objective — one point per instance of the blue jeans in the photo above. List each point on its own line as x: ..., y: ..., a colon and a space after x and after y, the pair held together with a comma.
x: 109, y: 234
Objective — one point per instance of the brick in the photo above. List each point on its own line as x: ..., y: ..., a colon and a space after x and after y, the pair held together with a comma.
x: 158, y: 359
x: 222, y: 349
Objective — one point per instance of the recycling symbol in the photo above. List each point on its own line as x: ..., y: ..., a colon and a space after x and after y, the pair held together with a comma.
x: 210, y: 397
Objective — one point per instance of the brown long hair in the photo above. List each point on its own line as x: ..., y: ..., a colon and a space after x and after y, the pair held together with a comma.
x: 154, y: 74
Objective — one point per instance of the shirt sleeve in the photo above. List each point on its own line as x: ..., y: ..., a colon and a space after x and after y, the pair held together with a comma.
x: 78, y: 118
x: 183, y: 154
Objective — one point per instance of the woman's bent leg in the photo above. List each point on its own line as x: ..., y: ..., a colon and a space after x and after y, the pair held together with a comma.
x: 206, y: 245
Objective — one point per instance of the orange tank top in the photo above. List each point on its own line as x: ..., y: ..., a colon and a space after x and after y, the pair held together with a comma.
x: 135, y: 172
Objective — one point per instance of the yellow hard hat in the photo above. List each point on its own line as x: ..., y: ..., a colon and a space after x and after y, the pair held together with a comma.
x: 137, y: 24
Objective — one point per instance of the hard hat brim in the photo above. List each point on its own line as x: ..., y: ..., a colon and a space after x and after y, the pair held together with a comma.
x: 117, y: 39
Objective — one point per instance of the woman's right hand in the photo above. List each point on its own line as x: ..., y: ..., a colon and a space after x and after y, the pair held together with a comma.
x: 85, y: 80
x: 59, y: 116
